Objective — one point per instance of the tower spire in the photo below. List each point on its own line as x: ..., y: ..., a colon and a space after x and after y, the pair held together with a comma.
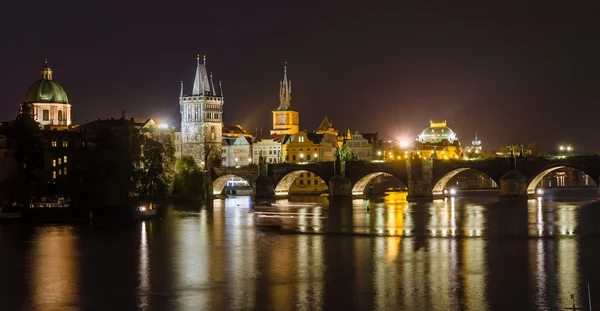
x: 198, y: 78
x: 204, y: 60
x: 181, y: 92
x: 212, y: 85
x: 221, y: 88
x: 285, y: 92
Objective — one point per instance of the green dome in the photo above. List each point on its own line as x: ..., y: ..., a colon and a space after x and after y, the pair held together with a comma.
x: 46, y: 91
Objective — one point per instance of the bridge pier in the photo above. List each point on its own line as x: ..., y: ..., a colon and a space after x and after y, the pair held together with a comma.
x: 340, y: 186
x: 420, y: 180
x: 513, y: 185
x: 264, y: 187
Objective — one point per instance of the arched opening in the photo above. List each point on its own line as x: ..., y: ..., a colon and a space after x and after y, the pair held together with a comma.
x: 561, y: 177
x: 377, y: 183
x: 231, y: 184
x: 301, y: 182
x: 470, y: 179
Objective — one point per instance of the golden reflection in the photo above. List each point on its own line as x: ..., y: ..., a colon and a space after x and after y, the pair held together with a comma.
x: 568, y: 274
x: 567, y: 220
x: 144, y: 267
x: 474, y: 273
x: 191, y: 261
x: 310, y: 272
x: 55, y: 269
x: 240, y: 254
x: 386, y: 273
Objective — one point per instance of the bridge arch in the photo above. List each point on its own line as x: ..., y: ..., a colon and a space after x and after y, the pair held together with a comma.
x: 438, y: 188
x: 284, y: 185
x: 361, y: 185
x: 532, y: 186
x: 220, y: 183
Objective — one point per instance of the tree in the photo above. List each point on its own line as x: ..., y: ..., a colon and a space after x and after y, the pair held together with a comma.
x: 347, y: 154
x: 189, y: 180
x: 25, y: 132
x: 150, y: 177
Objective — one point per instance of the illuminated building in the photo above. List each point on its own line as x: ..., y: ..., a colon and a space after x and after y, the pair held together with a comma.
x: 437, y: 141
x: 236, y: 151
x: 233, y: 131
x: 272, y: 147
x: 285, y: 118
x: 475, y: 150
x: 201, y: 117
x: 366, y: 145
x: 50, y: 103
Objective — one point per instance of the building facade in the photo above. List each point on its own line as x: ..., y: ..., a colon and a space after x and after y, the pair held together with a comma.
x: 236, y: 151
x: 50, y: 103
x: 286, y: 119
x: 436, y: 141
x: 272, y: 147
x: 201, y: 118
x: 365, y: 145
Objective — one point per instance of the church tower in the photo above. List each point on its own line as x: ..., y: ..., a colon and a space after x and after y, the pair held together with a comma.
x: 49, y: 100
x: 202, y: 118
x: 285, y: 118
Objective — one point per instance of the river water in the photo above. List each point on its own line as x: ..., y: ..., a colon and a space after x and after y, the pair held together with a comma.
x: 454, y: 254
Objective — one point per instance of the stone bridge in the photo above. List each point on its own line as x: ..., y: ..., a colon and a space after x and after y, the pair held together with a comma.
x: 425, y: 178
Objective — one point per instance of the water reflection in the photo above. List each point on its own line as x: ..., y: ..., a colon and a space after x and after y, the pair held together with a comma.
x: 454, y: 254
x: 54, y: 278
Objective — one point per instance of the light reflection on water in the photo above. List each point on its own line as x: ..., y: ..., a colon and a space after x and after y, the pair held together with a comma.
x: 454, y: 254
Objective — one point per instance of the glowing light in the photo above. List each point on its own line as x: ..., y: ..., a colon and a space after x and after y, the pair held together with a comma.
x: 561, y: 148
x: 569, y: 148
x: 163, y: 126
x: 315, y: 155
x: 379, y: 152
x: 301, y: 156
x: 540, y: 192
x: 236, y: 159
x: 452, y: 192
x: 404, y: 143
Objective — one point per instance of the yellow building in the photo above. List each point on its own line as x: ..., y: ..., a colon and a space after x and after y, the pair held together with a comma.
x: 309, y: 147
x: 437, y: 141
x: 286, y: 120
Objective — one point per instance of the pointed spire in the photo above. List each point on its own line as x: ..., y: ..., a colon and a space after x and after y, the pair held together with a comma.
x: 198, y: 78
x: 204, y: 60
x: 285, y: 92
x: 212, y: 85
x: 181, y: 92
x: 221, y: 88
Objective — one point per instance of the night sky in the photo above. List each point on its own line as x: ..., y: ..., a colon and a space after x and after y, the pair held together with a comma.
x: 517, y: 74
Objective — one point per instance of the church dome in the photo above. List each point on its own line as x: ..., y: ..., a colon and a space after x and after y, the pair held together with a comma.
x: 46, y: 90
x: 436, y: 133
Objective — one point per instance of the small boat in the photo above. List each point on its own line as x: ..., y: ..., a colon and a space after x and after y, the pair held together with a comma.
x: 10, y: 212
x: 145, y: 211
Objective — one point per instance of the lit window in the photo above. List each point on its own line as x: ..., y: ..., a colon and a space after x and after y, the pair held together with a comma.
x: 59, y: 172
x: 59, y: 161
x: 65, y: 143
x: 54, y: 143
x: 65, y: 171
x: 54, y: 174
x: 65, y: 159
x: 53, y: 162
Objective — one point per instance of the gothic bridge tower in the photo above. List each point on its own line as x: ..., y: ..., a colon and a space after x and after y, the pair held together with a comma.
x: 202, y: 117
x: 285, y: 117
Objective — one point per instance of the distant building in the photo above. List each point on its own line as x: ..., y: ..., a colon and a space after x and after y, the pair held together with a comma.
x: 201, y: 117
x: 50, y: 103
x: 236, y: 151
x: 437, y: 141
x: 367, y: 146
x: 286, y: 119
x: 233, y: 131
x: 475, y: 150
x: 272, y: 147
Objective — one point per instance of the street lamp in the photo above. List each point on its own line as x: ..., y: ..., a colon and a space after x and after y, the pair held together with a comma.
x: 315, y: 156
x: 301, y: 157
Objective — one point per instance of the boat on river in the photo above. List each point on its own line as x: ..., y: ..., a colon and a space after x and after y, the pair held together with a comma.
x: 8, y: 212
x: 145, y: 211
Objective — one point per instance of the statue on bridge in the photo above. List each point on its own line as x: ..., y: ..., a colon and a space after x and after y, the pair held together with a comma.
x: 521, y: 151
